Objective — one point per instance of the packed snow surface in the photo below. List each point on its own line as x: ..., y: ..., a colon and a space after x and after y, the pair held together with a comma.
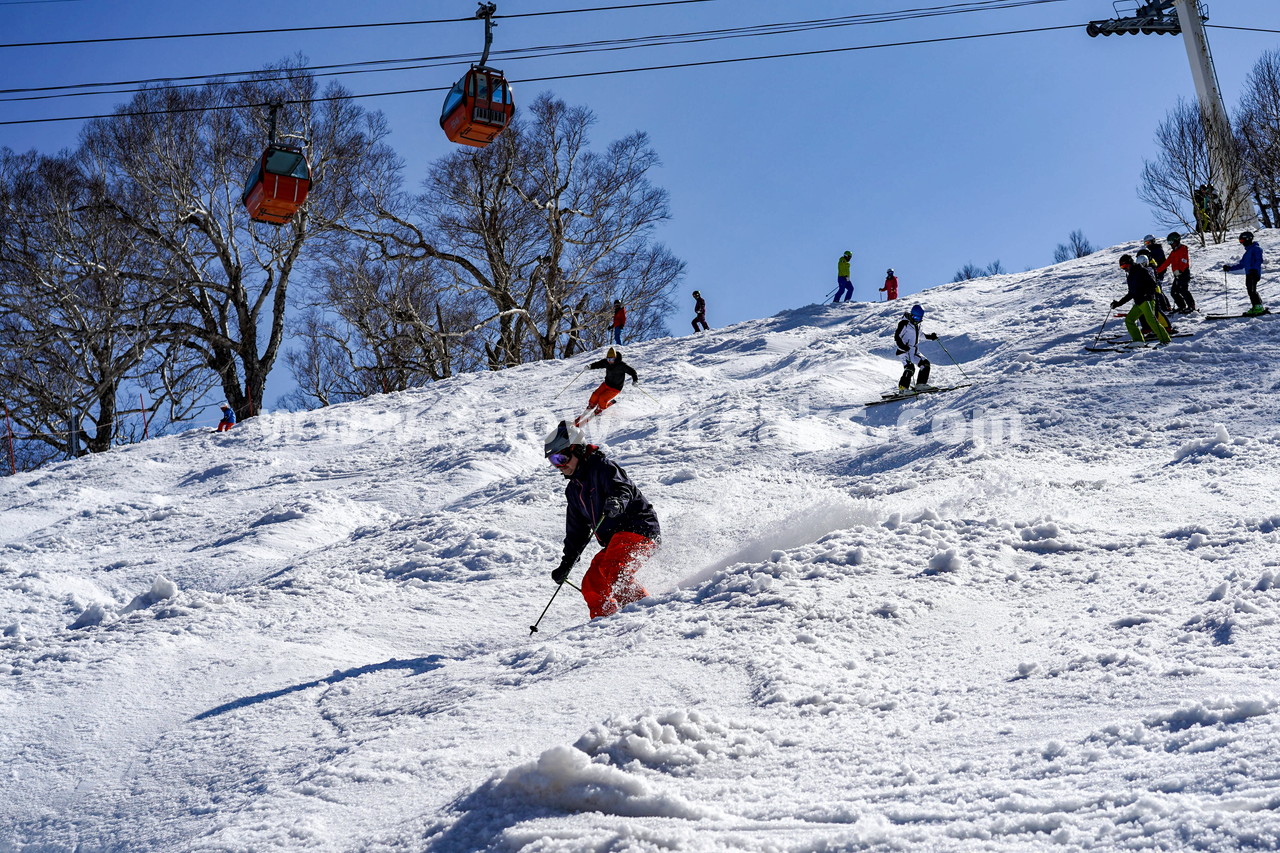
x: 1035, y: 613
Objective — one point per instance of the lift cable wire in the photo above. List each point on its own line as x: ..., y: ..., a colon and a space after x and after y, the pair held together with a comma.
x: 1244, y: 29
x: 381, y: 24
x: 331, y: 27
x: 540, y: 52
x: 704, y: 63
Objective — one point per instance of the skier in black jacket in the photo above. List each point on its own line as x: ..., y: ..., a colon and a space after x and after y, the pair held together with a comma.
x: 615, y: 375
x: 1142, y: 290
x: 601, y: 501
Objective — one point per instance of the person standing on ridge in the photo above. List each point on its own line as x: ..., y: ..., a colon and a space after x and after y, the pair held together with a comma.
x: 619, y: 322
x: 1142, y: 290
x: 228, y: 418
x: 843, y: 286
x: 601, y: 501
x: 699, y: 312
x: 1179, y: 261
x: 615, y: 375
x: 907, y: 337
x: 1251, y: 263
x: 890, y: 289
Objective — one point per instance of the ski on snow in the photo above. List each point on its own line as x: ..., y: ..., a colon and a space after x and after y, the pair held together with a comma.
x: 1235, y: 316
x: 1131, y: 346
x: 895, y: 396
x: 1118, y: 339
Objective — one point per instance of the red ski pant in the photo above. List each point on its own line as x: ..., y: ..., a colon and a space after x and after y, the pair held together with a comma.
x: 223, y: 426
x: 610, y: 582
x: 602, y: 397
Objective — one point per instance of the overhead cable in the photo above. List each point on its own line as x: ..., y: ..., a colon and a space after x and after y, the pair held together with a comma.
x: 704, y: 63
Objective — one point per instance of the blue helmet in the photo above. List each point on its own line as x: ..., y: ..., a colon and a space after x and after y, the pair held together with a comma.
x: 917, y: 313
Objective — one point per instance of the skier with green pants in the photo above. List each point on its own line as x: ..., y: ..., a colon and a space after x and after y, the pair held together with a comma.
x: 1142, y: 290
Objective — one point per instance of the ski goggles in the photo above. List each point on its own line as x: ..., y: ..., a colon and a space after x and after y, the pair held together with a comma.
x: 559, y: 460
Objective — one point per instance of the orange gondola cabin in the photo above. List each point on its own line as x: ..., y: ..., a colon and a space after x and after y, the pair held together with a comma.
x: 478, y: 107
x: 280, y: 185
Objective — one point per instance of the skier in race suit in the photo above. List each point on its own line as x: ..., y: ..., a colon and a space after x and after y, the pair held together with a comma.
x: 604, y: 502
x: 907, y: 337
x: 615, y: 374
x: 1142, y: 290
x: 1251, y: 263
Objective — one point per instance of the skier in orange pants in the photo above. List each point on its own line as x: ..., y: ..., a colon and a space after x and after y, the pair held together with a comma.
x: 602, y: 502
x: 615, y: 374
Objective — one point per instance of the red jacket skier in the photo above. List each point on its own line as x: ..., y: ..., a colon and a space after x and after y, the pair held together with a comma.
x: 619, y: 322
x: 890, y: 289
x: 1179, y: 261
x: 603, y: 502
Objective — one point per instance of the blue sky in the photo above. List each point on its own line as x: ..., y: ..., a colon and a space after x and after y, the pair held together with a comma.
x: 921, y: 158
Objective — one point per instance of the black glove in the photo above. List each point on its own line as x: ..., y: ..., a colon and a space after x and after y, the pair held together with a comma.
x: 614, y: 507
x: 635, y: 380
x: 931, y: 337
x: 1115, y: 303
x: 1226, y: 266
x: 560, y: 574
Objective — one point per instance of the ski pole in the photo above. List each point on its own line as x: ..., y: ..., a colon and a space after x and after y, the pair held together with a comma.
x: 533, y: 629
x: 1226, y: 303
x: 644, y: 392
x: 830, y: 292
x: 1105, y: 318
x: 953, y: 361
x: 571, y: 381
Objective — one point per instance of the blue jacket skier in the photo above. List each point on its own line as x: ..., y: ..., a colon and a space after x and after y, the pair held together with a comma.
x: 1251, y: 263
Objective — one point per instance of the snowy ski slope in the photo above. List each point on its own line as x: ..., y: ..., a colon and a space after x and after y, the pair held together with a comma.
x: 1039, y: 613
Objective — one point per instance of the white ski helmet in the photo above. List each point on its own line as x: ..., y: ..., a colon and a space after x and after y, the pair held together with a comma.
x: 564, y: 436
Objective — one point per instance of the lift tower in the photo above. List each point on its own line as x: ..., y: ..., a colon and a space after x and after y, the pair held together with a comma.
x: 1187, y: 17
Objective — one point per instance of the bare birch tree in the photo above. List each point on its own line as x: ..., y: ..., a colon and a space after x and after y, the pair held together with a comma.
x: 175, y: 161
x: 1172, y: 182
x: 1258, y: 135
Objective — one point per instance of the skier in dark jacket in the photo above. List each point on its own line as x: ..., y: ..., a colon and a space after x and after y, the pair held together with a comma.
x: 615, y: 375
x: 1142, y: 290
x: 1251, y: 263
x: 699, y: 312
x: 1156, y: 253
x: 602, y: 501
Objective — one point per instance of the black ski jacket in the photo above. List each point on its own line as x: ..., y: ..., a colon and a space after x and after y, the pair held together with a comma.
x: 1157, y: 254
x: 1142, y: 287
x: 595, y: 480
x: 614, y: 374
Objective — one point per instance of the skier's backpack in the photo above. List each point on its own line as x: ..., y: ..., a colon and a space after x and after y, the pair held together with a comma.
x: 897, y: 335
